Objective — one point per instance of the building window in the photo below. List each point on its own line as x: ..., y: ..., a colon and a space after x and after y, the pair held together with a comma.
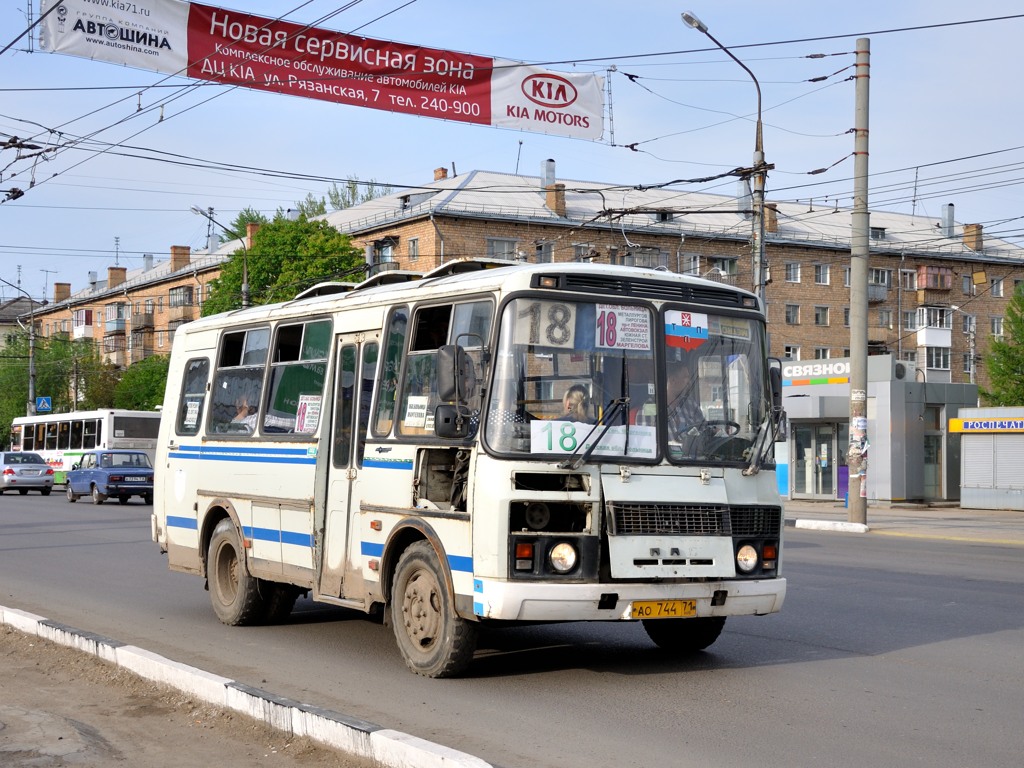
x: 821, y: 353
x: 936, y: 278
x: 910, y: 357
x: 180, y: 296
x: 414, y: 248
x: 792, y: 272
x: 997, y: 327
x: 792, y: 314
x: 910, y: 320
x: 967, y: 362
x: 970, y: 322
x: 885, y: 318
x: 997, y: 287
x: 545, y: 252
x: 967, y: 284
x: 724, y: 265
x: 821, y: 274
x: 651, y: 258
x: 791, y: 352
x: 846, y: 277
x: 938, y: 357
x: 876, y: 233
x: 880, y: 277
x: 934, y: 317
x: 821, y: 315
x: 908, y: 280
x: 846, y: 316
x: 498, y: 248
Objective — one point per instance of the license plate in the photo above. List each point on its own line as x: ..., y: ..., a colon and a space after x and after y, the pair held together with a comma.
x: 663, y: 609
x: 134, y: 479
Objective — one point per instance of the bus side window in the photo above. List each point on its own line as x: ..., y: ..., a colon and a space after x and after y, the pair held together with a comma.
x: 368, y: 376
x: 344, y: 405
x: 193, y: 394
x: 387, y: 384
x: 297, y: 374
x: 239, y: 376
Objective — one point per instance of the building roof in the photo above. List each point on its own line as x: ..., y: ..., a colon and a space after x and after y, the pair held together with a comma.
x: 510, y: 197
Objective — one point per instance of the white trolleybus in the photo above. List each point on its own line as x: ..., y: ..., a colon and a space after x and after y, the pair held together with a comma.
x: 61, y: 438
x: 485, y: 443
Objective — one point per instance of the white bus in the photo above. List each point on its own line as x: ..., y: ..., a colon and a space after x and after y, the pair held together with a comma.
x: 399, y: 446
x: 61, y: 438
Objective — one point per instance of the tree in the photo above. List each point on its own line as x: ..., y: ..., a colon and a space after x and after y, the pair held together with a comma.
x: 71, y: 373
x: 286, y: 257
x: 355, y: 192
x: 1005, y: 358
x: 311, y: 206
x: 142, y: 385
x: 237, y: 228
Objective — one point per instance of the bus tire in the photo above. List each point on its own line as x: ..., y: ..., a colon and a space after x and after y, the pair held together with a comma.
x: 97, y: 497
x: 433, y: 639
x: 234, y: 593
x: 278, y: 600
x: 684, y: 635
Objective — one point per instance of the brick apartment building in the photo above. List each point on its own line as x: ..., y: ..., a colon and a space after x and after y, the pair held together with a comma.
x: 937, y: 290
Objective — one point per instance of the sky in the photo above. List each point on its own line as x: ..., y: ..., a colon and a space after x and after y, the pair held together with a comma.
x: 945, y: 118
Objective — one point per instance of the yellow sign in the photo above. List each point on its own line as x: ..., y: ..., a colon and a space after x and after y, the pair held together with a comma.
x: 966, y: 426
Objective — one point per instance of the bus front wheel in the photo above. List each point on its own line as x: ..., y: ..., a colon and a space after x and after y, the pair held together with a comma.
x: 684, y: 635
x: 433, y: 639
x: 234, y: 593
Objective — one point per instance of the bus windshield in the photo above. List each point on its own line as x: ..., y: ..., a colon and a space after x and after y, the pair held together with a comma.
x: 575, y: 378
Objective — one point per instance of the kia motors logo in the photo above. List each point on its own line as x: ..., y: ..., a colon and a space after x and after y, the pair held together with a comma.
x: 549, y: 90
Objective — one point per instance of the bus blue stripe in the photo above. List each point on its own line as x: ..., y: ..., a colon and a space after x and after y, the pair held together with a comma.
x: 246, y: 457
x: 188, y: 523
x: 243, y: 448
x: 371, y: 549
x: 460, y: 563
x: 277, y: 536
x: 384, y: 464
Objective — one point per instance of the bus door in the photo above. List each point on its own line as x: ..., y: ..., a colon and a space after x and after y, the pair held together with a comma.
x: 355, y: 371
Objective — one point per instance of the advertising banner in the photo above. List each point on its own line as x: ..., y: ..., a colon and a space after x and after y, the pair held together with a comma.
x: 235, y: 48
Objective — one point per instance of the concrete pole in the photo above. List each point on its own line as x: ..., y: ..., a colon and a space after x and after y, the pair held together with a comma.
x: 30, y: 406
x: 859, y: 231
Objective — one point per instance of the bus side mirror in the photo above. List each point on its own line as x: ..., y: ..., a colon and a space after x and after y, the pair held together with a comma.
x: 778, y: 413
x: 451, y: 421
x: 456, y: 376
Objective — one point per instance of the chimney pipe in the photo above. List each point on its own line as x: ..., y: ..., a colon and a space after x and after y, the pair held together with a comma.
x: 947, y: 220
x: 147, y: 262
x: 93, y: 277
x: 743, y: 199
x: 771, y: 217
x: 547, y: 173
x: 440, y: 173
x: 181, y: 257
x: 61, y: 292
x: 116, y: 276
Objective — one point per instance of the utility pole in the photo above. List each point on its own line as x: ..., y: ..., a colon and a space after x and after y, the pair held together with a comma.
x: 859, y: 231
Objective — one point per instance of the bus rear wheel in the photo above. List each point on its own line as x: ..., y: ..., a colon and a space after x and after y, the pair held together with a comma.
x: 234, y: 593
x: 684, y: 635
x: 433, y: 639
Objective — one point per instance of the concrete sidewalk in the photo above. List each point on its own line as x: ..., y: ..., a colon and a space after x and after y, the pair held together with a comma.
x: 984, y: 526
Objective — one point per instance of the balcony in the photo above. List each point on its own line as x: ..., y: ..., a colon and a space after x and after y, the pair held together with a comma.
x: 877, y: 292
x: 933, y: 296
x: 181, y: 314
x: 140, y: 353
x: 81, y: 332
x: 879, y: 333
x: 116, y: 325
x: 142, y: 320
x: 934, y: 337
x: 118, y: 357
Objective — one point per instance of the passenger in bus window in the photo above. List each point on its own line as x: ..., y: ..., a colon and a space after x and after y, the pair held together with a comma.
x: 245, y: 414
x: 575, y: 404
x: 684, y: 413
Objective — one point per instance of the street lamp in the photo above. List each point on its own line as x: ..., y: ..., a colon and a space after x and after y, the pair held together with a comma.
x: 759, y: 170
x: 245, y: 251
x: 30, y: 405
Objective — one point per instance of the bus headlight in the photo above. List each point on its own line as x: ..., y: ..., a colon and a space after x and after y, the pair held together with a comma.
x: 746, y: 558
x: 562, y: 557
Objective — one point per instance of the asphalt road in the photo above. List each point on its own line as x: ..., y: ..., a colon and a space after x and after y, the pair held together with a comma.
x: 888, y: 651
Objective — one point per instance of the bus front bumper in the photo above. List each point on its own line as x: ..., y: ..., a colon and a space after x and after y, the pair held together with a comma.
x: 513, y: 601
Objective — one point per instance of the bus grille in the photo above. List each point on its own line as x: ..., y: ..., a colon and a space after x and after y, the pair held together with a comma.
x: 694, y: 520
x: 654, y: 289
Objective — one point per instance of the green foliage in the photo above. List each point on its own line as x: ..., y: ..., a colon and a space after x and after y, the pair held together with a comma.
x: 1004, y: 361
x: 354, y: 192
x: 237, y: 228
x: 71, y: 373
x: 142, y: 385
x: 286, y: 257
x: 311, y: 207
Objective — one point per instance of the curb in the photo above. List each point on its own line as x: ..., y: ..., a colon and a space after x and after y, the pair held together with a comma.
x: 827, y: 525
x: 347, y: 734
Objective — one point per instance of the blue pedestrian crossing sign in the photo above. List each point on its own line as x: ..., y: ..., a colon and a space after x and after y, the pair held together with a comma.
x: 43, y: 405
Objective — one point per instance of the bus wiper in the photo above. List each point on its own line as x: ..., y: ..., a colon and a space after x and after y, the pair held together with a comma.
x: 765, y: 435
x: 613, y: 407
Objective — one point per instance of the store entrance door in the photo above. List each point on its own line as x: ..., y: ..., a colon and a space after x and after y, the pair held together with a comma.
x: 814, y: 461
